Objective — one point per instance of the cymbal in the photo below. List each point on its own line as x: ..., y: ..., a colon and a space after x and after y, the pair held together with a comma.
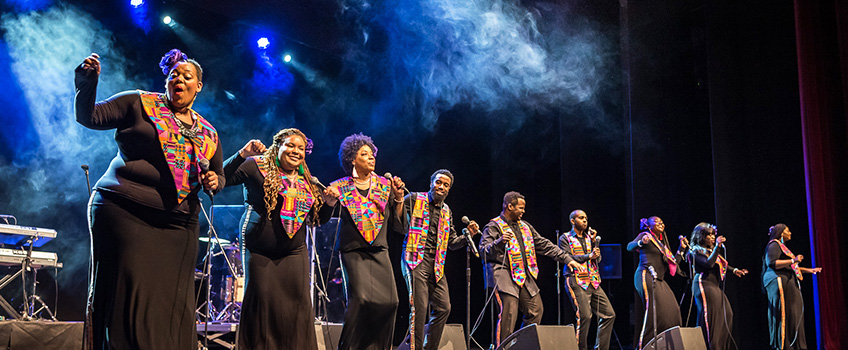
x: 220, y: 241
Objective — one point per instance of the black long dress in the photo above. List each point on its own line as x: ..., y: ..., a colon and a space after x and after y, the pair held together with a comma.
x: 668, y: 312
x: 715, y: 316
x: 144, y: 234
x: 276, y: 312
x: 786, y: 306
x: 369, y: 280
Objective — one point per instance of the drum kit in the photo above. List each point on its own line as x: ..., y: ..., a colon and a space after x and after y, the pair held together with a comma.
x: 221, y: 294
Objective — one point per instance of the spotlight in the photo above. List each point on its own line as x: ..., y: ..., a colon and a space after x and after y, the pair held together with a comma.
x: 167, y: 20
x: 263, y: 43
x: 287, y: 58
x: 136, y: 3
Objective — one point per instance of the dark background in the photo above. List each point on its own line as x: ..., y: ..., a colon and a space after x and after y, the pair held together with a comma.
x: 695, y: 117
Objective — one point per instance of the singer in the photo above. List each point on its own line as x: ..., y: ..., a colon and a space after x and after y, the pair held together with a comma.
x: 280, y: 201
x: 782, y: 276
x: 423, y: 263
x: 369, y: 204
x: 653, y: 248
x: 707, y: 258
x: 584, y: 285
x: 143, y: 212
x: 510, y: 246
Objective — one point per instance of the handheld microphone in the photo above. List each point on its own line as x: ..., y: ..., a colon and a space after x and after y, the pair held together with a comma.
x: 597, y: 240
x: 318, y: 183
x: 204, y: 168
x: 652, y: 271
x: 468, y: 237
x: 388, y: 175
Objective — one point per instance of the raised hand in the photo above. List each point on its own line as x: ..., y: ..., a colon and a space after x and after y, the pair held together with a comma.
x: 252, y: 148
x: 92, y: 64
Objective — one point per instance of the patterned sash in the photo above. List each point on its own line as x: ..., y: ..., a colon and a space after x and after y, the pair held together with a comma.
x: 720, y: 260
x: 367, y: 212
x: 590, y: 268
x: 419, y: 226
x: 297, y: 199
x: 180, y: 152
x: 516, y: 264
x: 795, y: 265
x: 672, y: 263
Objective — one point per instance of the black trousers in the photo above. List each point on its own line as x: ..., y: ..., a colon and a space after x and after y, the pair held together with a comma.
x: 530, y: 306
x: 424, y: 290
x: 587, y: 302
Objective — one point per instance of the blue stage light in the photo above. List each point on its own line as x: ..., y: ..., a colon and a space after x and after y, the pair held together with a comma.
x: 287, y: 58
x: 263, y: 43
x: 167, y: 20
x: 136, y: 3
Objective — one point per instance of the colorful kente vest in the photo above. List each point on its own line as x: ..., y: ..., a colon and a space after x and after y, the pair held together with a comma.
x: 795, y: 265
x: 419, y: 226
x: 182, y: 163
x: 367, y: 212
x: 516, y: 264
x: 720, y: 260
x: 672, y: 263
x: 590, y: 274
x: 297, y: 199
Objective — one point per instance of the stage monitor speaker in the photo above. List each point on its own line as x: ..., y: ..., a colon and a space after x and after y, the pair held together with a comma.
x: 328, y: 335
x: 453, y: 338
x: 678, y: 338
x: 536, y: 337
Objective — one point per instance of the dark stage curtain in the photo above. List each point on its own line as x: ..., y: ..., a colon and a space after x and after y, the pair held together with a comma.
x: 821, y: 29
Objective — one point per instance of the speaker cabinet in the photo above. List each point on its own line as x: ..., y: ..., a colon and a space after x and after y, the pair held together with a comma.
x: 328, y: 335
x: 453, y: 338
x: 536, y: 337
x: 678, y: 338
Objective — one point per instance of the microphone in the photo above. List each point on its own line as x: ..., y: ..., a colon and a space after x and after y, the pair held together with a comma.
x: 84, y: 167
x: 652, y: 271
x: 318, y: 183
x: 468, y: 237
x: 388, y: 175
x: 204, y: 168
x: 597, y: 240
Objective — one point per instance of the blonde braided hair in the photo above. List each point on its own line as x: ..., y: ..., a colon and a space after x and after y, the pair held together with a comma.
x: 273, y: 180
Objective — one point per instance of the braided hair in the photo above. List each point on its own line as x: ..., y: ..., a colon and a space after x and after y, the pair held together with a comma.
x: 273, y: 181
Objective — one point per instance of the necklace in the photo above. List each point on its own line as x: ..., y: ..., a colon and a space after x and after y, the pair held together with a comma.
x: 362, y: 182
x: 186, y: 132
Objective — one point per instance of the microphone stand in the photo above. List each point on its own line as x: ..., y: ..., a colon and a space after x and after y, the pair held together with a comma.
x: 468, y: 296
x: 654, y: 307
x: 87, y: 182
x: 559, y: 291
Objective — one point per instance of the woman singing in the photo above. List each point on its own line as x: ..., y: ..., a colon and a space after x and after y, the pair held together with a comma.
x: 280, y: 201
x: 707, y: 256
x: 655, y: 258
x: 369, y: 204
x: 782, y: 277
x: 143, y: 212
